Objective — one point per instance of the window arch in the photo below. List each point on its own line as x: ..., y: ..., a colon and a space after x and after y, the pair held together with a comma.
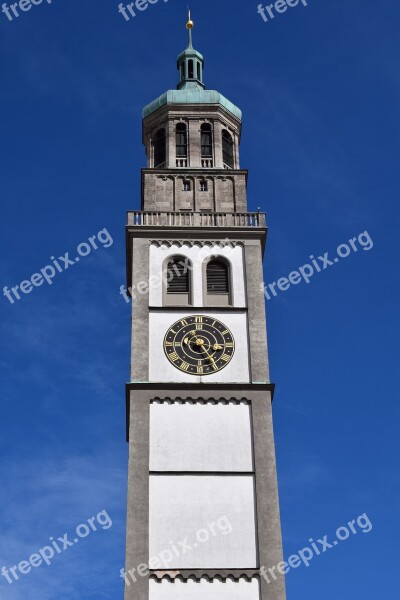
x: 227, y: 149
x: 160, y: 148
x: 177, y: 276
x: 203, y: 185
x: 191, y: 69
x: 218, y: 282
x: 206, y: 140
x: 181, y: 140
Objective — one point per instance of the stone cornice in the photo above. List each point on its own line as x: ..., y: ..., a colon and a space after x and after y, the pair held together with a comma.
x: 200, y: 243
x: 199, y: 400
x: 222, y: 576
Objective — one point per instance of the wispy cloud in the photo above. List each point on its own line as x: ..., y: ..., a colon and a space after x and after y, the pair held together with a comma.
x: 48, y: 497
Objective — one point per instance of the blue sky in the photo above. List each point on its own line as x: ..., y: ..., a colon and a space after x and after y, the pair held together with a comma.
x: 319, y: 89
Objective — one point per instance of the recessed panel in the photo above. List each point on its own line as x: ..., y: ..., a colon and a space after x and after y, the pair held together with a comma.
x: 200, y: 437
x: 162, y: 369
x: 197, y: 255
x: 202, y: 522
x: 205, y: 590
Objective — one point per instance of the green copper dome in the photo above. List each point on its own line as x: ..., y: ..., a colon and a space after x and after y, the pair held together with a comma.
x: 191, y: 89
x: 192, y: 96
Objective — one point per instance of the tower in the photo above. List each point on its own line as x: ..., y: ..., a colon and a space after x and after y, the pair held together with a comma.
x: 203, y: 514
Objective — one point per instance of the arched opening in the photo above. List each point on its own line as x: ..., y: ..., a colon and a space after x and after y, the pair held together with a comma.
x: 227, y: 149
x: 206, y: 140
x: 181, y: 140
x: 218, y: 282
x: 160, y: 148
x: 199, y: 71
x: 191, y: 69
x: 177, y: 276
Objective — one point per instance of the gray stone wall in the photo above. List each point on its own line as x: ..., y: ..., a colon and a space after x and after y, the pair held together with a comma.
x: 163, y: 191
x: 140, y: 311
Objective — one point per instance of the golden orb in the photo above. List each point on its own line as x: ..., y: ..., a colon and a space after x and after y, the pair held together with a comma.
x: 190, y: 24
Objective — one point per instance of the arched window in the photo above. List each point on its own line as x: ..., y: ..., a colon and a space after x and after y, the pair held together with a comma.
x: 181, y: 140
x: 227, y: 149
x: 191, y: 69
x: 160, y: 152
x: 199, y: 71
x: 218, y: 277
x: 206, y: 140
x: 178, y: 280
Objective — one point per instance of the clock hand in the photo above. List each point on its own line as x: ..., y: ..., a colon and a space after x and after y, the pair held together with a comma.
x: 217, y: 347
x: 200, y: 343
x: 187, y: 340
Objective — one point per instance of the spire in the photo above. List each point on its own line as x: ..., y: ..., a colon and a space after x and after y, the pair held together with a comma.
x: 190, y: 63
x: 189, y: 27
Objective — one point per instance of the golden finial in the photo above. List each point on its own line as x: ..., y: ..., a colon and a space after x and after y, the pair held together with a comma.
x: 190, y: 23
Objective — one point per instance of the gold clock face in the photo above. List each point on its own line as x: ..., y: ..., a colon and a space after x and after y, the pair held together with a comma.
x: 199, y: 345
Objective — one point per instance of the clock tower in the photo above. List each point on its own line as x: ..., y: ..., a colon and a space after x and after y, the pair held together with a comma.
x: 203, y: 514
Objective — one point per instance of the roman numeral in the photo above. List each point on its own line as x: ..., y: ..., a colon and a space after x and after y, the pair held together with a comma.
x: 168, y: 344
x: 229, y: 345
x: 200, y: 370
x: 184, y: 366
x: 225, y: 357
x: 225, y: 332
x: 173, y: 356
x: 184, y: 323
x: 198, y: 319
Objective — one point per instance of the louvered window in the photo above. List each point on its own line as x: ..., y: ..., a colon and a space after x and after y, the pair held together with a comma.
x: 217, y: 277
x: 178, y: 276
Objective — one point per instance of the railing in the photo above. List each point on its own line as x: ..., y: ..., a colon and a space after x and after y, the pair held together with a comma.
x: 207, y: 163
x: 181, y: 163
x: 195, y: 219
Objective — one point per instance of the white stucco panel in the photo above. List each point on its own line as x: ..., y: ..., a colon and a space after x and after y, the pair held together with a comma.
x: 205, y: 590
x: 214, y: 515
x: 160, y: 368
x: 200, y: 437
x: 197, y: 254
